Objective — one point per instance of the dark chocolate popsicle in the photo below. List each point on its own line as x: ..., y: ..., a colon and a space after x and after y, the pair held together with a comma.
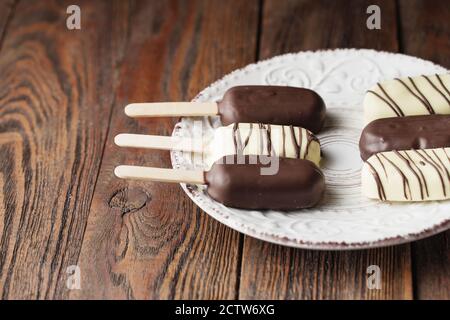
x: 297, y: 184
x: 298, y: 107
x: 273, y: 104
x: 247, y: 182
x: 405, y: 133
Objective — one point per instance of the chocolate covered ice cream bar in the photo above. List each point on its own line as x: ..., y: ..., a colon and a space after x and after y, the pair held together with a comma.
x: 405, y: 133
x: 410, y: 96
x: 295, y: 184
x: 253, y: 104
x: 410, y: 175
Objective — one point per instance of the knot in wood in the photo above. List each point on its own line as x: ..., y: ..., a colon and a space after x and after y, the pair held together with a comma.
x: 129, y: 200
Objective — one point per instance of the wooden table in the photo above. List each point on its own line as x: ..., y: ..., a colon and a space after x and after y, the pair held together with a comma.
x: 62, y: 94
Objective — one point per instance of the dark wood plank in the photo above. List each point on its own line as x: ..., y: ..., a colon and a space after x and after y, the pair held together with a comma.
x: 6, y: 12
x: 55, y: 101
x: 296, y: 25
x: 275, y: 272
x: 148, y: 240
x: 425, y: 31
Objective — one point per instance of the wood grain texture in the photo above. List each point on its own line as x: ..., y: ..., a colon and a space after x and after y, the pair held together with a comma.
x: 54, y: 109
x: 425, y: 31
x: 6, y: 13
x: 62, y: 95
x: 148, y: 240
x: 296, y: 25
x: 274, y: 272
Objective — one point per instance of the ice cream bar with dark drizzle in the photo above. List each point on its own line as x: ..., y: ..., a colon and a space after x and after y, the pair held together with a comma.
x: 409, y: 96
x: 237, y: 138
x: 408, y: 175
x: 405, y: 133
x: 296, y: 183
x: 254, y: 104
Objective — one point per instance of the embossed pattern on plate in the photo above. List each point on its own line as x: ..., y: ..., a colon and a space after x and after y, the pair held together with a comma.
x: 344, y: 219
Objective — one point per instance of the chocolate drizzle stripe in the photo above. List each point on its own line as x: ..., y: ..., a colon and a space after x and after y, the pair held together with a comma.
x: 435, y: 168
x: 391, y: 99
x: 412, y: 170
x: 406, y: 186
x: 430, y: 107
x: 432, y: 160
x: 385, y: 101
x: 415, y: 95
x: 294, y: 141
x: 311, y: 138
x: 399, y: 113
x: 445, y: 151
x: 437, y: 89
x: 380, y: 188
x: 235, y: 126
x: 238, y: 141
x: 442, y: 84
x: 283, y: 138
x: 247, y: 139
x: 420, y: 172
x: 442, y: 164
x: 269, y: 140
x: 261, y: 139
x: 382, y: 165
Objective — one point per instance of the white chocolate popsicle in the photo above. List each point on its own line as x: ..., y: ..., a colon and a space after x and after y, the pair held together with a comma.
x: 422, y: 95
x: 263, y: 139
x: 412, y: 175
x: 236, y: 138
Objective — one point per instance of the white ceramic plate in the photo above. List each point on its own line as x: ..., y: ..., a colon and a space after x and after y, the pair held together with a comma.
x: 344, y: 219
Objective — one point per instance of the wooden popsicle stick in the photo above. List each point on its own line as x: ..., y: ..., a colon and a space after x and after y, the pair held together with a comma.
x: 160, y: 174
x: 171, y: 109
x: 158, y: 142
